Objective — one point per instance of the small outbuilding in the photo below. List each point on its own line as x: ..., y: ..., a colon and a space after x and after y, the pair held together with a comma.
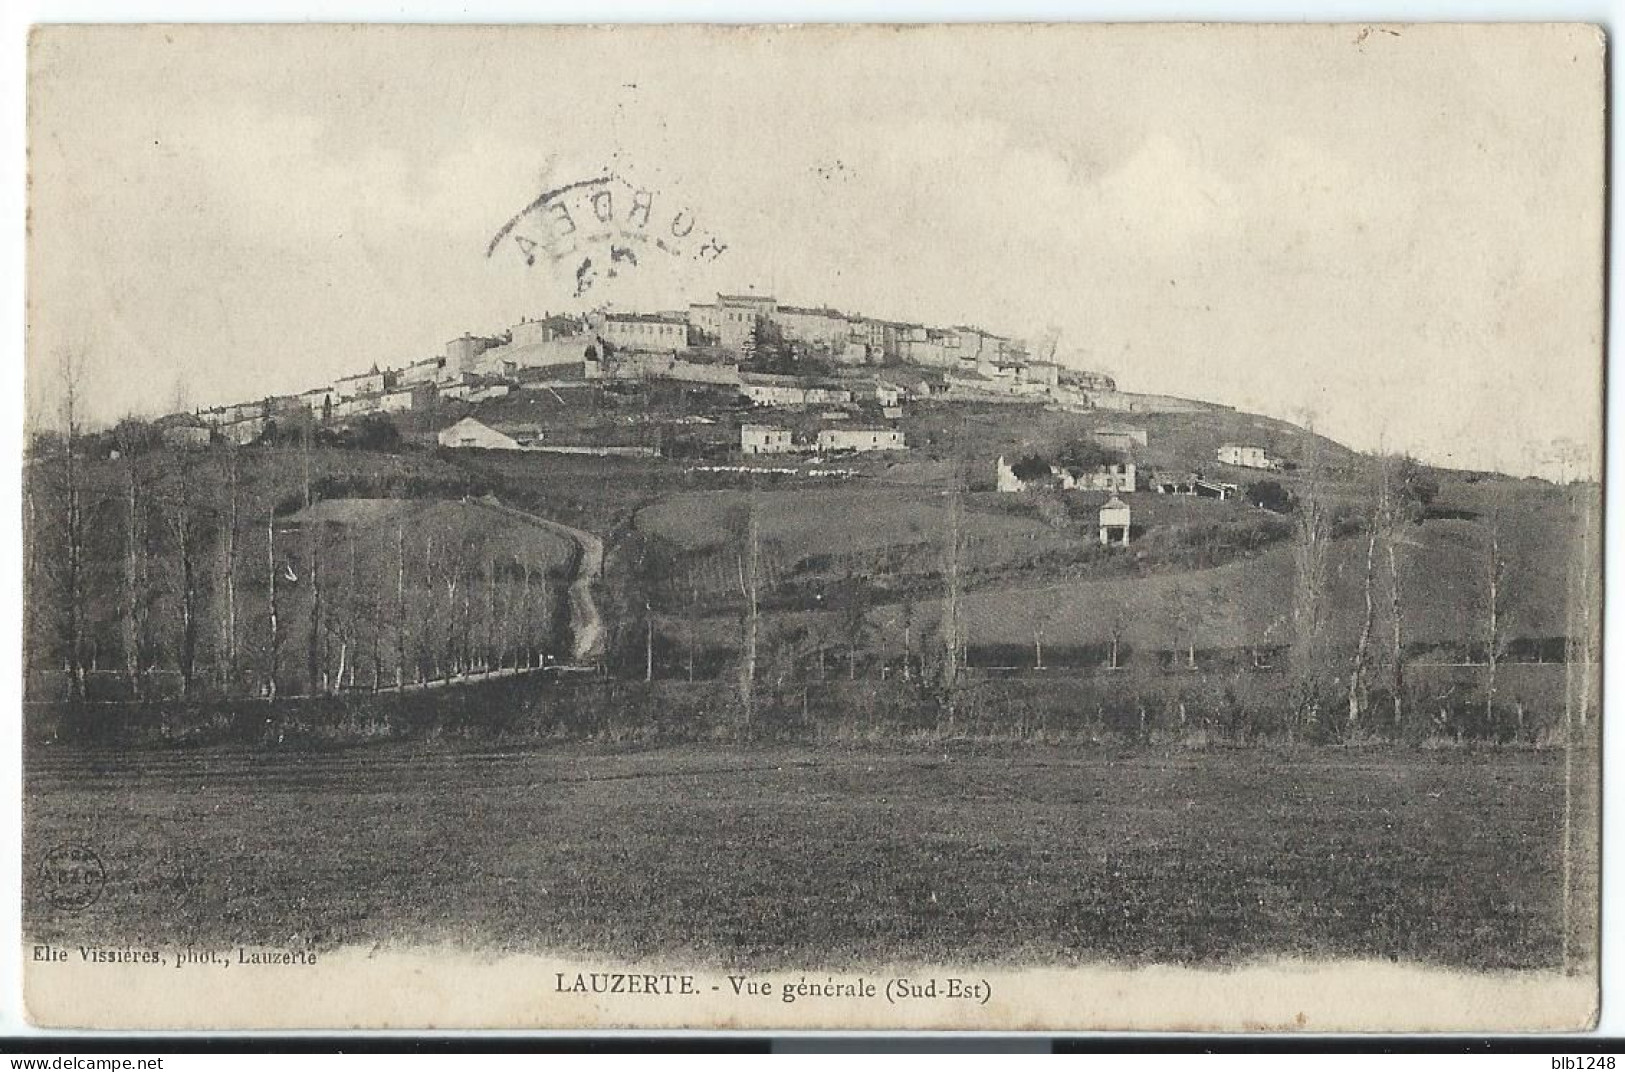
x: 1115, y: 521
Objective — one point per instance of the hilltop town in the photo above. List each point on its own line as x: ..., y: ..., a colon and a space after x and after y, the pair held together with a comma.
x: 779, y: 379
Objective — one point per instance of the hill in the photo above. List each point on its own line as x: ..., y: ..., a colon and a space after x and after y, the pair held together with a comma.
x: 853, y: 547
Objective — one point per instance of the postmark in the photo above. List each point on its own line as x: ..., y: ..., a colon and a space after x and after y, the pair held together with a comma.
x: 601, y: 227
x: 72, y: 877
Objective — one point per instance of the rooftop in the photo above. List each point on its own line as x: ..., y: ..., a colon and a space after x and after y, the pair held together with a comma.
x: 646, y: 318
x: 804, y: 310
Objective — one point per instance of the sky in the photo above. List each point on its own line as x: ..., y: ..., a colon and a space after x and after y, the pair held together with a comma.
x: 1394, y: 234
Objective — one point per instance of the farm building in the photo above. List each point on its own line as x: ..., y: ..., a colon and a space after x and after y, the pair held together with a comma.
x: 469, y: 433
x: 1115, y: 478
x: 764, y: 439
x: 1196, y: 486
x: 830, y: 439
x: 244, y: 431
x: 1120, y: 436
x: 1006, y: 479
x: 1115, y: 518
x: 767, y: 390
x: 1246, y: 456
x: 888, y: 394
x: 1119, y: 477
x: 185, y: 431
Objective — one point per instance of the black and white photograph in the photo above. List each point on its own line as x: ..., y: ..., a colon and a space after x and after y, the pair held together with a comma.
x: 1024, y: 527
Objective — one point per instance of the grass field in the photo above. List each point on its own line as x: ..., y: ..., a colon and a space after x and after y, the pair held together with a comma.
x: 820, y: 856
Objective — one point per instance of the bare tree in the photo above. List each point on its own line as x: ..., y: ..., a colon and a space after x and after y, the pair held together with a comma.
x: 523, y: 641
x: 228, y: 569
x: 136, y: 555
x: 181, y: 516
x: 305, y: 458
x: 274, y: 653
x: 1358, y: 686
x: 1115, y: 605
x: 400, y: 604
x: 749, y: 585
x: 315, y: 656
x: 1405, y: 492
x: 1313, y: 535
x: 952, y: 624
x: 490, y: 611
x: 1494, y: 594
x: 71, y: 376
x: 854, y: 623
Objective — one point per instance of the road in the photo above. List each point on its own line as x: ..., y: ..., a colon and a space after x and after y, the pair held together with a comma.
x: 586, y: 623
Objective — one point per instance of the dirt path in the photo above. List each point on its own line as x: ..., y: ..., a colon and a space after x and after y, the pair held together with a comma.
x: 586, y: 623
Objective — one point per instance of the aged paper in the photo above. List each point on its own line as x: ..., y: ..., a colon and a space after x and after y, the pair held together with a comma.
x: 1023, y: 527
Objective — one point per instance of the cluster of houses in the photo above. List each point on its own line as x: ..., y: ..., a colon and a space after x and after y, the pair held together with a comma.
x: 1123, y: 477
x: 767, y: 439
x: 874, y: 360
x: 1114, y: 477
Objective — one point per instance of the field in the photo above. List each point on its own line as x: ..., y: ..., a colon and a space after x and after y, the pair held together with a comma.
x: 822, y: 857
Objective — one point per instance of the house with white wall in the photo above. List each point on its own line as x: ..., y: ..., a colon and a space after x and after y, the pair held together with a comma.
x: 764, y: 439
x: 860, y: 439
x: 1247, y: 456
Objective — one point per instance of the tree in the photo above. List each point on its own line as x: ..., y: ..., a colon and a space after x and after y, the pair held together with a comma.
x: 853, y: 615
x: 1114, y: 609
x: 750, y: 590
x: 315, y: 655
x: 1269, y: 495
x: 1405, y: 490
x: 1357, y: 673
x: 137, y: 554
x: 1313, y: 528
x: 71, y: 374
x: 400, y: 603
x: 228, y: 568
x: 273, y: 650
x: 766, y: 349
x: 1086, y: 454
x: 1031, y: 467
x: 952, y: 625
x: 181, y: 516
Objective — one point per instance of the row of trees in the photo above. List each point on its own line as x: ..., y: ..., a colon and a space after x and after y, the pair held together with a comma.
x: 171, y: 573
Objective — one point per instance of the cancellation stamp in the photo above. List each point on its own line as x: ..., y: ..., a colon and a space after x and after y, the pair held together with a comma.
x: 72, y: 877
x: 602, y: 227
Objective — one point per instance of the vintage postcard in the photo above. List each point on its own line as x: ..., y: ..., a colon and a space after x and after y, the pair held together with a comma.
x: 1054, y: 527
